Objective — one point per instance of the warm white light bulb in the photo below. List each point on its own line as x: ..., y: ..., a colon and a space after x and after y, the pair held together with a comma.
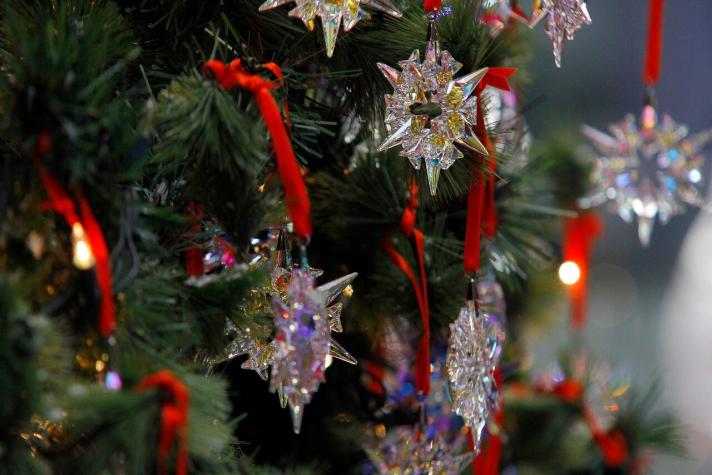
x: 82, y: 256
x: 569, y: 273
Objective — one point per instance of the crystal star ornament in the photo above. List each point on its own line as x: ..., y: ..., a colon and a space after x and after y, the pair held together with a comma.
x: 333, y: 14
x: 564, y: 18
x: 647, y: 170
x: 430, y: 111
x: 471, y: 360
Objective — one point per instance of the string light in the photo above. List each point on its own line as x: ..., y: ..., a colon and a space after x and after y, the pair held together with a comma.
x: 569, y: 272
x: 82, y: 256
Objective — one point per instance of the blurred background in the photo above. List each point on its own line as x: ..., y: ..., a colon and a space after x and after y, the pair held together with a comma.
x: 650, y: 308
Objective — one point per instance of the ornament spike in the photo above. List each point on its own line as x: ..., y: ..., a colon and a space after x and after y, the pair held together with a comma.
x: 334, y: 288
x: 297, y: 412
x: 645, y: 229
x: 432, y: 169
x: 339, y: 352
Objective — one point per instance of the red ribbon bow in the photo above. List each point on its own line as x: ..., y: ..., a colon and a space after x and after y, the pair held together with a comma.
x: 235, y: 75
x: 174, y: 419
x: 62, y: 203
x: 420, y: 285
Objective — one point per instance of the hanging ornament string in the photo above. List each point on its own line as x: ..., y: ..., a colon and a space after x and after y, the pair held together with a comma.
x: 174, y: 419
x: 654, y: 48
x: 579, y: 234
x: 487, y: 462
x: 235, y: 75
x: 85, y: 228
x: 420, y: 285
x: 480, y: 197
x: 194, y: 254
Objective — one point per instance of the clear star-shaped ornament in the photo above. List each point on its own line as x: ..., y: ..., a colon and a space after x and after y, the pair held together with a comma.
x: 430, y: 112
x: 408, y: 451
x: 564, y: 18
x: 333, y: 14
x: 472, y: 356
x: 647, y: 170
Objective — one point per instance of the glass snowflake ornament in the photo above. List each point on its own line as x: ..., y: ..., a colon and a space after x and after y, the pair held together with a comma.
x: 647, y: 170
x: 333, y: 14
x: 472, y: 356
x: 430, y: 111
x: 564, y: 18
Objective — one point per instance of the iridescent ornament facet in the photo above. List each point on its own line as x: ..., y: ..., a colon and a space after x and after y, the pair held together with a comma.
x: 564, y: 18
x: 407, y: 451
x: 333, y: 14
x: 472, y: 357
x: 430, y: 111
x: 647, y: 170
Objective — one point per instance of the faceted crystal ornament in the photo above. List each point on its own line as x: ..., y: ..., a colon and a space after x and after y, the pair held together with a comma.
x: 333, y: 14
x: 407, y: 451
x: 565, y: 17
x: 472, y: 356
x: 301, y: 344
x: 647, y: 170
x: 430, y: 111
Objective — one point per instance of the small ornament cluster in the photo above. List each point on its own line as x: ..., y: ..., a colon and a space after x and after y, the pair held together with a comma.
x: 474, y: 349
x: 647, y: 170
x: 430, y: 112
x: 406, y: 450
x: 333, y: 14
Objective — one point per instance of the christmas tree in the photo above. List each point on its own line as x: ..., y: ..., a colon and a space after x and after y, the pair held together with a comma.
x: 291, y: 237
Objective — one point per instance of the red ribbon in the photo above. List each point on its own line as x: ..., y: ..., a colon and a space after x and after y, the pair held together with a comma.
x: 235, y: 75
x: 488, y: 460
x: 174, y: 419
x: 579, y: 235
x: 432, y: 6
x: 194, y: 254
x: 654, y: 48
x: 420, y: 285
x: 60, y: 202
x: 480, y: 197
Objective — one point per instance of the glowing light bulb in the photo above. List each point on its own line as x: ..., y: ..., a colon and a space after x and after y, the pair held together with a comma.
x: 82, y: 256
x: 569, y: 273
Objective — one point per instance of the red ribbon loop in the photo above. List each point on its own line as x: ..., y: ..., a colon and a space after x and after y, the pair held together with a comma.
x: 654, y: 48
x: 174, y: 419
x: 481, y: 206
x: 579, y: 234
x: 420, y: 285
x: 295, y: 192
x: 62, y: 203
